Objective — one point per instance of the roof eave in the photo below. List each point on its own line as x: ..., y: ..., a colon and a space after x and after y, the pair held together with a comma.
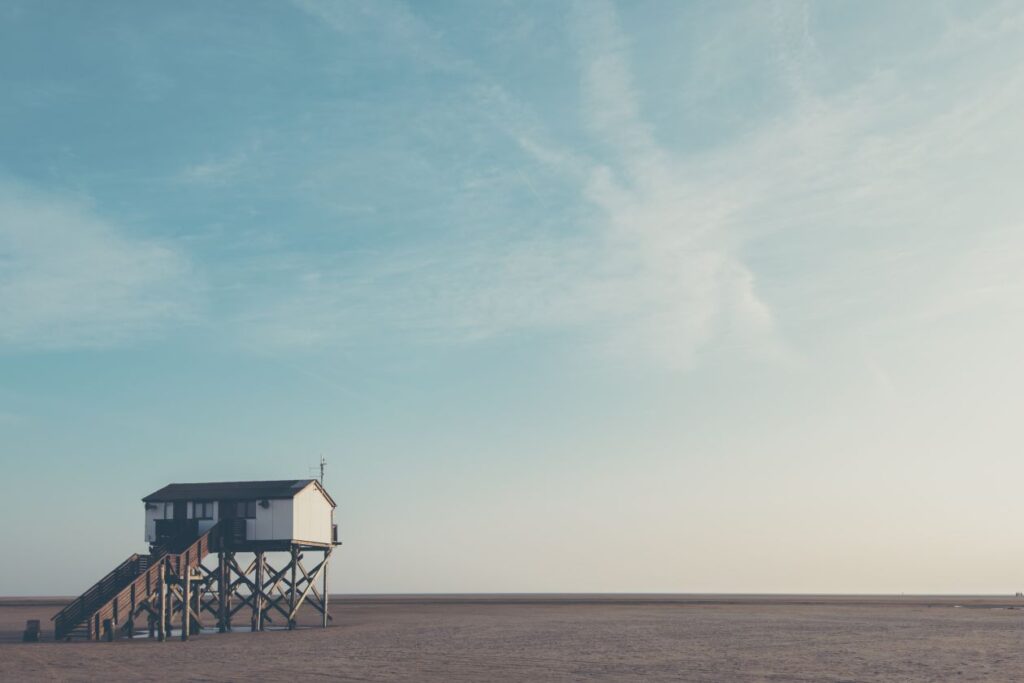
x: 320, y: 487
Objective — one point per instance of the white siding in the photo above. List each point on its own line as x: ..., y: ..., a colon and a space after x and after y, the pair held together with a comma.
x: 273, y: 522
x: 306, y: 517
x: 282, y: 524
x: 158, y: 513
x: 204, y: 524
x: 152, y: 516
x: 313, y: 516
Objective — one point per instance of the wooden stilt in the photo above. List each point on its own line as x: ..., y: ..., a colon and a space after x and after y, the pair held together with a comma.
x: 198, y: 587
x: 162, y: 624
x: 292, y: 589
x: 169, y: 626
x: 228, y: 601
x: 188, y: 584
x: 263, y: 591
x: 131, y: 612
x: 222, y: 592
x: 178, y: 576
x: 186, y: 603
x: 257, y: 602
x: 310, y: 579
x: 327, y: 554
x: 152, y: 593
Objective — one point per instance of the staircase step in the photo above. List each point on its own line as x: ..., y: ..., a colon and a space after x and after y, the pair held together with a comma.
x: 111, y: 587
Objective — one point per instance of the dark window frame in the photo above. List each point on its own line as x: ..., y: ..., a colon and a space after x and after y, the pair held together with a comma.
x: 245, y: 509
x: 202, y: 509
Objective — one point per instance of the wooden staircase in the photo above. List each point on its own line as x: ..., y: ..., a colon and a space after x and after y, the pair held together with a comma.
x: 110, y: 606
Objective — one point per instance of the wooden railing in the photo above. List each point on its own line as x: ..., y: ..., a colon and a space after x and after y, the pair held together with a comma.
x: 122, y: 605
x: 117, y: 595
x: 72, y: 615
x: 195, y: 553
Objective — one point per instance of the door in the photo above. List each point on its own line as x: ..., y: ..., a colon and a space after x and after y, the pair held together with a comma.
x: 226, y: 509
x: 180, y: 509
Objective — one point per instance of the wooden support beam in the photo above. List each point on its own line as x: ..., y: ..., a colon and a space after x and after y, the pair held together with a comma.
x: 224, y: 623
x: 248, y: 570
x: 243, y: 602
x: 186, y: 604
x: 197, y: 586
x: 274, y: 604
x: 319, y: 602
x: 257, y: 604
x: 177, y: 592
x: 131, y: 613
x: 243, y: 577
x: 307, y: 576
x: 210, y: 603
x: 310, y: 580
x: 274, y: 582
x: 162, y: 625
x: 146, y: 606
x: 327, y: 555
x: 292, y: 589
x: 166, y: 614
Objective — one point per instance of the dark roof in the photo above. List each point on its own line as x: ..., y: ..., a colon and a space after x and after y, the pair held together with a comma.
x: 233, y: 490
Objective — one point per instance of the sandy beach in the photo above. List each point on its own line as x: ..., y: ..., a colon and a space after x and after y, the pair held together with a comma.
x: 566, y: 637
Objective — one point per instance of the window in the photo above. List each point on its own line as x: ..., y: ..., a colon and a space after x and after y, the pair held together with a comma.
x: 202, y: 510
x: 168, y: 510
x: 246, y: 509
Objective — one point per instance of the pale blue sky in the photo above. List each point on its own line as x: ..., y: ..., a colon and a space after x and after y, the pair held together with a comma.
x: 648, y: 296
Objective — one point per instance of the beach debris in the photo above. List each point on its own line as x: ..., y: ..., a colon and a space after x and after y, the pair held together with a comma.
x: 31, y: 634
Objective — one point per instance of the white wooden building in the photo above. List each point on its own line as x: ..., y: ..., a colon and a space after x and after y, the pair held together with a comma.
x: 275, y: 513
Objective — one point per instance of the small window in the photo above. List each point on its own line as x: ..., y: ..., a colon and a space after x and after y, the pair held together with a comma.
x: 168, y: 510
x: 202, y: 510
x: 246, y: 509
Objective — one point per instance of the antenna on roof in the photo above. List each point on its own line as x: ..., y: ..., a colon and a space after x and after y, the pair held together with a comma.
x: 323, y: 463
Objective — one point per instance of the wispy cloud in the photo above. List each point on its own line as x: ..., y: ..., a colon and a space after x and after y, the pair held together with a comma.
x: 650, y: 274
x: 215, y: 171
x: 886, y: 185
x: 224, y: 169
x: 69, y: 278
x: 671, y: 253
x: 667, y: 234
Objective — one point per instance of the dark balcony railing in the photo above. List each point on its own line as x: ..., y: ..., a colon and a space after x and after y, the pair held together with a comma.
x: 172, y: 533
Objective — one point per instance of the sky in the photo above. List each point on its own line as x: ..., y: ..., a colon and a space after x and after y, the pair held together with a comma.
x: 572, y: 297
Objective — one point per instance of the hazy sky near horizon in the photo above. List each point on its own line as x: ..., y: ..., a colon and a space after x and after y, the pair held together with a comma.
x: 647, y: 296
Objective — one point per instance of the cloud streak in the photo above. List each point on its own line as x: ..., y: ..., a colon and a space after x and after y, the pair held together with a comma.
x: 809, y: 219
x: 679, y: 279
x: 649, y: 273
x: 70, y: 279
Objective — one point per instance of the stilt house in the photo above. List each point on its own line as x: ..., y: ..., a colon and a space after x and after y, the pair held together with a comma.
x: 264, y: 515
x: 189, y: 525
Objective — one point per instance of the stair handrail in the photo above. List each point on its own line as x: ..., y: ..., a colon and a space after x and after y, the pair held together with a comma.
x: 194, y: 554
x: 89, y: 592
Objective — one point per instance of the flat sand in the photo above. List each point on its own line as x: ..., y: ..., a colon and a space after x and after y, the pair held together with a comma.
x: 566, y: 637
